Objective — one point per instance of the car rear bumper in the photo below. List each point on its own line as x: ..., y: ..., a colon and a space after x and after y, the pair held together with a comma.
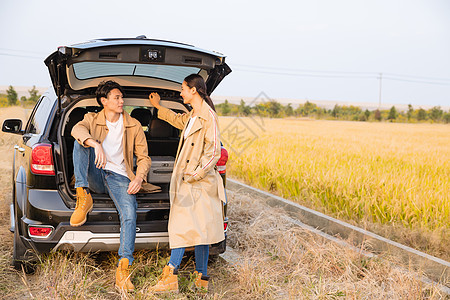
x: 86, y: 241
x: 102, y: 236
x: 101, y: 232
x: 92, y: 238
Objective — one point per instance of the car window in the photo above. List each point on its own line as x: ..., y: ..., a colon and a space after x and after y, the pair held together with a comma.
x: 89, y: 69
x: 40, y: 116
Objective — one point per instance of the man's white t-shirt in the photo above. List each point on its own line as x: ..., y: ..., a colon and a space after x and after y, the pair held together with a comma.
x: 113, y: 147
x: 189, y: 126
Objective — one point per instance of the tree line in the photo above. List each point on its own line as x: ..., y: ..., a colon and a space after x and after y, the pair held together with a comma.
x: 274, y: 109
x: 11, y: 98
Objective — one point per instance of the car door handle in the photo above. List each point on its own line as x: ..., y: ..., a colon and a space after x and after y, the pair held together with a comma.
x: 21, y: 149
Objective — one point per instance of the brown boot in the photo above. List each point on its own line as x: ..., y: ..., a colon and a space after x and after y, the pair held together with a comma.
x: 168, y: 281
x: 123, y: 276
x: 84, y: 205
x: 201, y: 282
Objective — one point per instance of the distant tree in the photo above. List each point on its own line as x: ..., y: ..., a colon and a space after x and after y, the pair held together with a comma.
x: 377, y: 115
x: 11, y: 95
x: 351, y: 112
x: 320, y: 112
x: 392, y: 114
x: 3, y: 100
x: 274, y: 108
x: 309, y: 108
x: 289, y: 111
x: 361, y: 117
x: 421, y: 114
x: 261, y: 110
x: 244, y: 109
x: 226, y: 109
x: 336, y: 110
x: 410, y: 112
x: 436, y: 113
x: 23, y: 99
x: 34, y: 96
x: 446, y: 117
x: 299, y: 110
x: 367, y: 114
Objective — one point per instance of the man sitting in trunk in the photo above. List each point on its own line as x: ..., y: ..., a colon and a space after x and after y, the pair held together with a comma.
x: 103, y: 158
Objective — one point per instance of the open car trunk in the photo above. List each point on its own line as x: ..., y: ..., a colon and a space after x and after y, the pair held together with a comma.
x: 140, y: 66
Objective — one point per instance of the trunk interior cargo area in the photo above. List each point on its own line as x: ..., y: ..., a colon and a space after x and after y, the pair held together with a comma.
x: 162, y: 139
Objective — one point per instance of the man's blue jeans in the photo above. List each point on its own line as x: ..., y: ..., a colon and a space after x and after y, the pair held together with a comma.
x: 116, y: 185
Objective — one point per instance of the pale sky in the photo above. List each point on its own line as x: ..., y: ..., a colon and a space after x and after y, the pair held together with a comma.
x: 316, y: 50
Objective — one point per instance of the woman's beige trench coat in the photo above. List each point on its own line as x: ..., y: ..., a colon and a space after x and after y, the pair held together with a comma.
x: 196, y: 188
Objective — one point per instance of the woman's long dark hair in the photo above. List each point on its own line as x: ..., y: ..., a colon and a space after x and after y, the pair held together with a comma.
x: 197, y: 81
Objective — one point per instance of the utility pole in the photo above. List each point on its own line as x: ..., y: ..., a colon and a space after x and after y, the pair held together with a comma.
x: 379, y: 93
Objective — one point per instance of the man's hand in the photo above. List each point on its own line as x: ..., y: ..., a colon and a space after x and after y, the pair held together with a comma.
x: 154, y: 99
x: 100, y: 156
x: 135, y: 185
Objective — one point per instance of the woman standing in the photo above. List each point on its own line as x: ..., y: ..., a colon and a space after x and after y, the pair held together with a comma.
x: 196, y: 188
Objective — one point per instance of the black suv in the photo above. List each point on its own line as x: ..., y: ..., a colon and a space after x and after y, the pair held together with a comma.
x: 43, y: 193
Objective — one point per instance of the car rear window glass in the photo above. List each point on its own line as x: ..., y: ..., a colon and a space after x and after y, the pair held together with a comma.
x: 40, y: 116
x: 87, y: 70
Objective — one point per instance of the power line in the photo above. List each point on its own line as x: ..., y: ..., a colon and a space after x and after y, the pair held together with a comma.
x: 343, y: 76
x: 418, y: 77
x: 422, y: 79
x: 306, y: 74
x: 417, y: 81
x: 304, y: 70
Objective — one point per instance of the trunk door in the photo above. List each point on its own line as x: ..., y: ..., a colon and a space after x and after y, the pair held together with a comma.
x: 133, y: 63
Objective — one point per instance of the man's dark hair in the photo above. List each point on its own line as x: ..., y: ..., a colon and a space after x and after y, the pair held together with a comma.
x: 104, y: 88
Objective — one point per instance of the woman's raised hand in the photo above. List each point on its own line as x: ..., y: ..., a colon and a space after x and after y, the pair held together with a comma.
x: 154, y: 99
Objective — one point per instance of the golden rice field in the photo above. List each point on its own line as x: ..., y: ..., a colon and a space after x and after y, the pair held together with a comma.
x: 387, y: 174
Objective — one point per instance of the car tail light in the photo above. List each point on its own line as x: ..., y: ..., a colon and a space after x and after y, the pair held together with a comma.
x: 222, y: 162
x: 225, y: 226
x: 42, y: 160
x: 40, y: 231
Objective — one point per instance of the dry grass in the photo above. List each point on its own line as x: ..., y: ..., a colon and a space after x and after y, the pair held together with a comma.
x: 282, y: 261
x: 276, y: 261
x: 379, y: 175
